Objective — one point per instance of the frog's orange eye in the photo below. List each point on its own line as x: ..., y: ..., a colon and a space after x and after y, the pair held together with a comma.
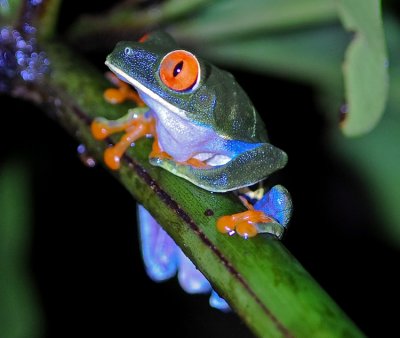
x: 179, y: 70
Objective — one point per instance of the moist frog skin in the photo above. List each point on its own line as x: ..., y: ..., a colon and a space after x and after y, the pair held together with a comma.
x: 205, y: 128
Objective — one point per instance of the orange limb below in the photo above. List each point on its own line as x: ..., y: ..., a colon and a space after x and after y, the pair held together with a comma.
x: 244, y: 223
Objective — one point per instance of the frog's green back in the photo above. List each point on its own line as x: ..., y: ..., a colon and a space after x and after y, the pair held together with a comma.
x: 234, y: 113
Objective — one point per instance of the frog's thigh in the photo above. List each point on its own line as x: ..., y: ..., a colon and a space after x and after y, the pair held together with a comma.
x: 190, y: 278
x: 243, y: 170
x: 276, y: 203
x: 159, y: 251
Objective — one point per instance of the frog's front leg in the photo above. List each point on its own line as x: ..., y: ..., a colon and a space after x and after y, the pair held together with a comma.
x: 270, y: 214
x: 122, y: 92
x: 136, y: 124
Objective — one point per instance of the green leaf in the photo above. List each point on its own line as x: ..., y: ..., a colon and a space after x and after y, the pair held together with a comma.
x: 376, y: 156
x: 376, y: 159
x: 365, y: 67
x: 233, y: 18
x: 312, y: 55
x: 19, y: 312
x: 261, y: 280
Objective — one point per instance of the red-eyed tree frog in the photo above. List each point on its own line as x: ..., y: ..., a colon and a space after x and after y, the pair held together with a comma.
x: 205, y: 128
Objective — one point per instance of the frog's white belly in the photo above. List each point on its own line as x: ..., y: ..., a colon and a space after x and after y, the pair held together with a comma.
x: 183, y: 139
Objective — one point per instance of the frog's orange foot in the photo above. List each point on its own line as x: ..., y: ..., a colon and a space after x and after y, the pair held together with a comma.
x: 134, y: 128
x: 112, y: 158
x: 162, y: 155
x: 244, y: 223
x: 122, y: 93
x: 102, y: 128
x: 194, y: 162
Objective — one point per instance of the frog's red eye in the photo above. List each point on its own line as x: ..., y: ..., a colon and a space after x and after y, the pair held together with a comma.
x: 179, y: 70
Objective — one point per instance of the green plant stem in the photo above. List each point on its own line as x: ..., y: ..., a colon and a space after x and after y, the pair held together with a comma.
x: 261, y: 280
x: 46, y: 20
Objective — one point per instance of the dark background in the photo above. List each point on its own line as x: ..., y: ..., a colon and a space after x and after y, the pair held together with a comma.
x: 85, y: 253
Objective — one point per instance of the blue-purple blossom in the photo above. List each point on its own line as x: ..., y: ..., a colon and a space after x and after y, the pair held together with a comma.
x: 20, y: 57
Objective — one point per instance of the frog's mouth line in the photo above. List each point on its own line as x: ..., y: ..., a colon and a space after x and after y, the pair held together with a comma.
x: 141, y: 88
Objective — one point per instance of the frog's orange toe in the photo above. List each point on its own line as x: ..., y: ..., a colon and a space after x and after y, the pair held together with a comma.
x: 255, y: 216
x: 246, y: 229
x: 112, y: 159
x: 244, y: 223
x: 225, y: 224
x: 99, y: 130
x: 114, y: 96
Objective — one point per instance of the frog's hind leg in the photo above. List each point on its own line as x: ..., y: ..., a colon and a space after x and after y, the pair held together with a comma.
x: 268, y: 215
x: 160, y: 253
x: 277, y: 203
x: 190, y: 278
x: 244, y: 223
x: 163, y: 259
x: 193, y: 281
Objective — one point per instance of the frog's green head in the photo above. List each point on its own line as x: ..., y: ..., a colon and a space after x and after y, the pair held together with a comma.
x: 157, y: 67
x: 188, y: 86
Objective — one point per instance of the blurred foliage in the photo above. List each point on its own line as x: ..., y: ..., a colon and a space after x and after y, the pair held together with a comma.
x: 365, y: 67
x: 20, y: 315
x: 376, y: 156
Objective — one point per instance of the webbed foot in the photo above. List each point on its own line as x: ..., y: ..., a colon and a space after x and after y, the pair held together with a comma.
x: 244, y: 223
x: 268, y: 215
x: 135, y: 126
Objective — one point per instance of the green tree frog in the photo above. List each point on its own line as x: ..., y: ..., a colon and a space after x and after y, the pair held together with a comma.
x: 205, y: 128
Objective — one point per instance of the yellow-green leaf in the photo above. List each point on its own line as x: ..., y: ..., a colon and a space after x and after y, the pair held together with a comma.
x: 365, y: 66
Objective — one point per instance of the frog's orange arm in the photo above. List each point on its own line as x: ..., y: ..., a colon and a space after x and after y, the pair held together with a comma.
x: 122, y: 93
x: 135, y: 128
